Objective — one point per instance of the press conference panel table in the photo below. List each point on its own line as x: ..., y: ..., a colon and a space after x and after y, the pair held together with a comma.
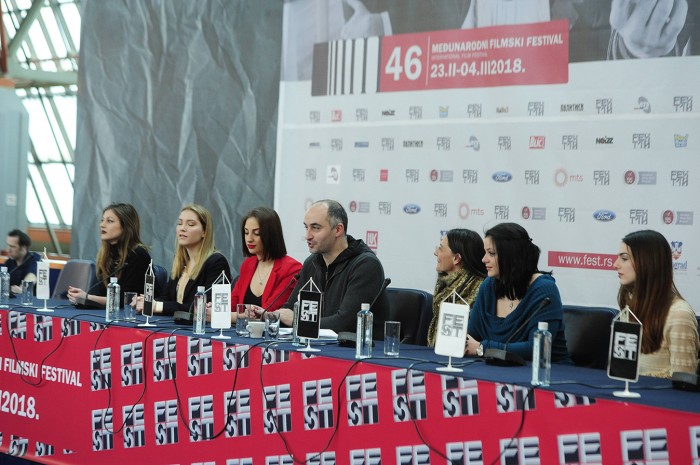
x: 74, y: 391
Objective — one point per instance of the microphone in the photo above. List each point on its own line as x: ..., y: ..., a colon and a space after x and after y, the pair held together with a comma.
x: 386, y: 283
x: 294, y: 279
x: 348, y: 338
x: 502, y: 357
x: 64, y: 294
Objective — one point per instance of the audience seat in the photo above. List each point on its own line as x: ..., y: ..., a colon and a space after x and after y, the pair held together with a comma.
x: 587, y: 332
x: 76, y: 273
x: 409, y: 306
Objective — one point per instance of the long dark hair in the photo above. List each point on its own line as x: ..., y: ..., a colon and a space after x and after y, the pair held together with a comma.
x: 517, y: 259
x: 128, y: 241
x: 271, y: 234
x: 470, y: 247
x: 653, y: 290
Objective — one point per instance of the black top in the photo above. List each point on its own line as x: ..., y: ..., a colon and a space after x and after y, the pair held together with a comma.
x: 252, y: 299
x: 210, y: 271
x: 130, y: 278
x: 17, y: 273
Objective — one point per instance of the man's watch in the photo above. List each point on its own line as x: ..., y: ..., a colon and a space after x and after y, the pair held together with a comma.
x: 480, y: 350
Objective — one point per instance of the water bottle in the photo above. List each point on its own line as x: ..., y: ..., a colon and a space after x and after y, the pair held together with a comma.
x: 541, y: 355
x: 112, y: 307
x: 200, y: 311
x: 5, y: 291
x: 363, y: 347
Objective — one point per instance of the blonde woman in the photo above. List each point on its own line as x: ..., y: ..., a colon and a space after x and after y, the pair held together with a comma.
x: 196, y: 262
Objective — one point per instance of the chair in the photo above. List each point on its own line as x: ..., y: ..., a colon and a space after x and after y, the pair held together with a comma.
x: 161, y: 280
x: 409, y: 306
x: 76, y: 273
x: 587, y: 331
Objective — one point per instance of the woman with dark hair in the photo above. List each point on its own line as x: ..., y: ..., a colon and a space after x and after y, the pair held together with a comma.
x: 502, y: 314
x: 459, y: 270
x: 196, y: 263
x: 265, y: 276
x: 670, y: 332
x: 122, y: 254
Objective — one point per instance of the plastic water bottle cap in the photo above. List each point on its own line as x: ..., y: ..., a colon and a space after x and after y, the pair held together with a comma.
x: 364, y: 307
x: 3, y: 269
x: 113, y: 279
x: 200, y: 288
x: 543, y: 326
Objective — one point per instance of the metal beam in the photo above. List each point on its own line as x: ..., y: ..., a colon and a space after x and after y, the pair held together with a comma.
x: 37, y: 78
x: 23, y: 30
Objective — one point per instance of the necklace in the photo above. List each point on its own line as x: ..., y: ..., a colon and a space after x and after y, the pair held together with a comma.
x: 261, y: 277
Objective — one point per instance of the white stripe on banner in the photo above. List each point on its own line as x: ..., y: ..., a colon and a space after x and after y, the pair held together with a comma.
x: 359, y: 67
x: 372, y: 66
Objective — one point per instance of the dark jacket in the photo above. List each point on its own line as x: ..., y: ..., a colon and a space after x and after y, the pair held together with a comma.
x: 211, y: 270
x: 355, y: 277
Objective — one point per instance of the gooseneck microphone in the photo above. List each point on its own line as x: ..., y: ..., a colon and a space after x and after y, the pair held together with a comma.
x: 502, y: 357
x: 386, y: 283
x: 293, y: 281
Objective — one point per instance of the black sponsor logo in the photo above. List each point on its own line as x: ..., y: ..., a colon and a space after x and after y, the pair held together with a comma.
x: 512, y: 398
x: 362, y: 400
x: 102, y: 430
x: 164, y: 358
x: 201, y: 411
x: 17, y: 325
x: 521, y: 451
x: 277, y: 414
x: 366, y: 457
x: 644, y: 446
x: 408, y: 395
x: 237, y: 410
x: 460, y: 397
x: 413, y: 455
x: 166, y: 424
x: 43, y: 328
x: 318, y: 404
x: 199, y: 356
x: 581, y: 449
x: 101, y: 369
x: 132, y: 364
x: 134, y: 426
x: 235, y: 357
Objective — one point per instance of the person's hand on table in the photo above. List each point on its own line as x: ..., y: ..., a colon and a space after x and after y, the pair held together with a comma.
x: 76, y: 296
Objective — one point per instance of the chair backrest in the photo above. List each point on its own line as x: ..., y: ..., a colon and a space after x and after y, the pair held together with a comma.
x: 76, y: 273
x: 161, y: 279
x: 409, y: 306
x: 587, y: 332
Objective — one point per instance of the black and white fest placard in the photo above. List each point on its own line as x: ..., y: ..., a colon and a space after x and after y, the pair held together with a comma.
x: 625, y: 347
x: 451, y: 335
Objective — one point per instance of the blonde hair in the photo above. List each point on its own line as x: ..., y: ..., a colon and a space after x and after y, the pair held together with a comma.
x: 206, y: 246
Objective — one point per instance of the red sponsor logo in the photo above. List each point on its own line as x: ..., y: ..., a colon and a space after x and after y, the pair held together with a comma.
x: 587, y: 260
x: 537, y: 142
x: 372, y: 239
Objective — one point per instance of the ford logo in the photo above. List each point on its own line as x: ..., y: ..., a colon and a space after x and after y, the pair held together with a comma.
x: 501, y: 176
x: 604, y: 215
x: 411, y: 208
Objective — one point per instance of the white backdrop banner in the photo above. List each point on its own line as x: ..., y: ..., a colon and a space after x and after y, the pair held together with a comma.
x: 418, y: 123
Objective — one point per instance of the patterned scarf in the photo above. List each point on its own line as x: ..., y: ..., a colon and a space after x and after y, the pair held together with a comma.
x: 467, y: 286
